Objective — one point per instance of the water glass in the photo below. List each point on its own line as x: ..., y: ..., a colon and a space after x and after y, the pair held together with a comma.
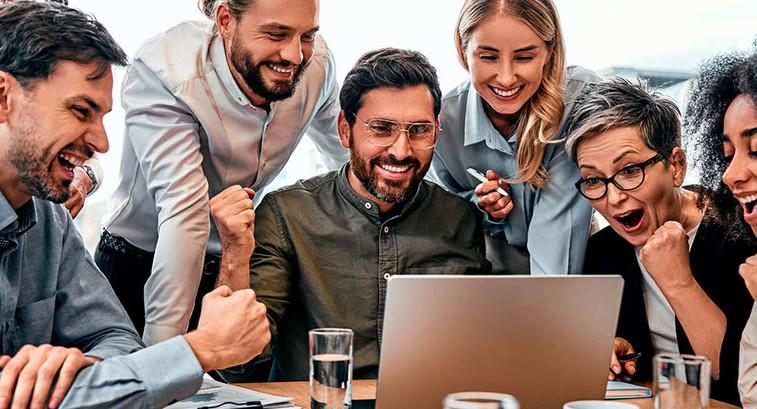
x: 480, y: 400
x: 330, y: 368
x: 681, y: 381
x: 598, y: 404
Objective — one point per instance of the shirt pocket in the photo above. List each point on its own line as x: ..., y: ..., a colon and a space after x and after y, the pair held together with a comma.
x: 34, y: 322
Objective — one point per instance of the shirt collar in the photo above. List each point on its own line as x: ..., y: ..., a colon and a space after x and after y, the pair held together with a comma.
x: 366, y: 206
x: 16, y: 222
x: 478, y: 127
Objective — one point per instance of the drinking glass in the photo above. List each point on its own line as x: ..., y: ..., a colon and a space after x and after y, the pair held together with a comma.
x: 330, y: 368
x: 480, y: 400
x: 681, y: 381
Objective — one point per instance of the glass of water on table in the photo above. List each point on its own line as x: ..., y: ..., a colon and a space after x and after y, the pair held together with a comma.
x: 330, y: 368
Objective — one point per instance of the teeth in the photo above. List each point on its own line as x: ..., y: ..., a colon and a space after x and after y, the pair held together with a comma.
x: 71, y: 159
x: 748, y: 199
x: 506, y: 93
x: 281, y: 70
x: 395, y: 169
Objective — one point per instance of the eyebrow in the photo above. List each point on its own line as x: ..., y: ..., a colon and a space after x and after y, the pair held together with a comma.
x: 278, y: 26
x: 746, y: 133
x: 614, y: 161
x: 527, y: 48
x: 92, y: 104
x: 519, y: 50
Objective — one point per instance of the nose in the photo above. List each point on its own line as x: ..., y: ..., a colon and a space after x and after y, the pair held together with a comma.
x: 506, y: 73
x: 401, y: 148
x: 736, y: 172
x: 292, y: 51
x: 97, y: 138
x: 614, y: 195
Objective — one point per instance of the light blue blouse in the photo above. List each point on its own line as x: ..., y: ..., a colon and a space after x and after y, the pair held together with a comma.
x: 553, y: 221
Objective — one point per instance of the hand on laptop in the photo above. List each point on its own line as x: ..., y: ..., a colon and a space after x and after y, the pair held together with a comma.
x: 621, y: 347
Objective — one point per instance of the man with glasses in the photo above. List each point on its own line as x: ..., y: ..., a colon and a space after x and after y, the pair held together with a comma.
x: 682, y: 292
x: 325, y: 247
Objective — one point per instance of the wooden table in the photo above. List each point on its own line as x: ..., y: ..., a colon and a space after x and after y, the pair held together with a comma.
x: 366, y: 389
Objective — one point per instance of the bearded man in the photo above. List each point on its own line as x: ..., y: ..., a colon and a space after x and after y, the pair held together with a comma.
x: 209, y: 105
x: 323, y: 249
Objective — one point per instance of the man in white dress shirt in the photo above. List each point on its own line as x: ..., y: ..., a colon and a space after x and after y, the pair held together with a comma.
x: 209, y: 105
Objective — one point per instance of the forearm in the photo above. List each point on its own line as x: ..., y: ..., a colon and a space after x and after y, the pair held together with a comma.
x: 234, y: 271
x: 702, y: 321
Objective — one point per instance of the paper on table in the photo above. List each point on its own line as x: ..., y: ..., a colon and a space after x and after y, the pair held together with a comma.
x: 213, y: 392
x: 624, y: 390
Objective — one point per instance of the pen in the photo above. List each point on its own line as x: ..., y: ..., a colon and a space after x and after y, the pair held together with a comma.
x: 629, y: 357
x: 478, y: 175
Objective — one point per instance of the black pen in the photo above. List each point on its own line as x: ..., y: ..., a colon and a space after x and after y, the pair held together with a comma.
x: 629, y: 357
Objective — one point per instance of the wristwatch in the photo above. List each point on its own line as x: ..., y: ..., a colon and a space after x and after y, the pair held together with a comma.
x: 92, y: 176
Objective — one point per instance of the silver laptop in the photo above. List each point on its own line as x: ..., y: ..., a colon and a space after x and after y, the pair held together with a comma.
x: 546, y: 340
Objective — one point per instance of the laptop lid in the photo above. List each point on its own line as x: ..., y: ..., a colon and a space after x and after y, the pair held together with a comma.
x: 546, y: 340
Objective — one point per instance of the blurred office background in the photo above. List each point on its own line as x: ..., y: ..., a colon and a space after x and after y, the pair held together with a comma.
x: 662, y: 40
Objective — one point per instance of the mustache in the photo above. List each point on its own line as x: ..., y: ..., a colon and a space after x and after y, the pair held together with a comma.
x: 80, y: 149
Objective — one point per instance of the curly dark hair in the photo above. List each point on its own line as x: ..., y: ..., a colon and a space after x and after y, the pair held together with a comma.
x: 716, y: 84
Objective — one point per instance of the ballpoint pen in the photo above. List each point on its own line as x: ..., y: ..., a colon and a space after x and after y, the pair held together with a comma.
x: 629, y: 357
x: 480, y: 176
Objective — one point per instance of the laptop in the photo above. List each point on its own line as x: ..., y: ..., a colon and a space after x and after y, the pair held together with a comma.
x: 546, y: 340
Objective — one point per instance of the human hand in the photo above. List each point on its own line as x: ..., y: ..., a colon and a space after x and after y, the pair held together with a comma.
x: 233, y: 213
x: 79, y: 188
x: 621, y: 347
x: 27, y: 377
x: 666, y: 257
x: 233, y: 329
x: 748, y: 272
x: 494, y: 203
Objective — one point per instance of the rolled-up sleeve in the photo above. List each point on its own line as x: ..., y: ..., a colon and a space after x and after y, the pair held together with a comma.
x: 748, y: 363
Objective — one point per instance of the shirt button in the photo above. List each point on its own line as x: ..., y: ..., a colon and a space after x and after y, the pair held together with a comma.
x: 386, y: 276
x: 367, y: 205
x: 386, y: 229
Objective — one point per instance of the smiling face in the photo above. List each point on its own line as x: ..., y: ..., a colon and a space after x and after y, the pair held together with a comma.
x: 51, y: 128
x: 740, y: 147
x: 634, y: 214
x: 391, y: 174
x: 506, y: 59
x: 269, y: 46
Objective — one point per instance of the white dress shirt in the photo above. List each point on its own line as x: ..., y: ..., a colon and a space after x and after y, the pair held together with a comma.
x: 748, y: 363
x: 190, y: 133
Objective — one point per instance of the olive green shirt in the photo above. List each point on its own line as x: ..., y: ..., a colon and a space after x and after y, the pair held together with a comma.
x: 323, y: 255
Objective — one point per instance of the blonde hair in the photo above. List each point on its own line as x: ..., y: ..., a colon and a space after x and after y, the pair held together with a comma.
x: 540, y: 117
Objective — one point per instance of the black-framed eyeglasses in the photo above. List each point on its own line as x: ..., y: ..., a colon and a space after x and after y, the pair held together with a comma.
x: 384, y: 132
x: 628, y: 178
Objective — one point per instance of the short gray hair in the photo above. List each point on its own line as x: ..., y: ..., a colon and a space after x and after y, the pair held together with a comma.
x: 617, y: 103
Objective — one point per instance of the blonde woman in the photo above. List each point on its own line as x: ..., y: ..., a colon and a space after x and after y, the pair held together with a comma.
x: 505, y: 121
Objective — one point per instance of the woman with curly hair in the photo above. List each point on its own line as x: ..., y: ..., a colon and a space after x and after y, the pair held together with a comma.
x: 721, y: 124
x: 505, y: 121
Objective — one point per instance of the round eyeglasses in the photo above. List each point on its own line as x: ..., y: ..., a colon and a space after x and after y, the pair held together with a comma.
x: 628, y: 178
x: 383, y: 132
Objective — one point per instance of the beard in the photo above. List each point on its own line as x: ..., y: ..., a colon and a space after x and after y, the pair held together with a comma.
x: 250, y: 72
x: 386, y: 190
x: 34, y: 168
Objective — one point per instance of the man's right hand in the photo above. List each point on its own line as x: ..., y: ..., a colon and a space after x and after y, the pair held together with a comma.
x: 233, y: 329
x: 28, y: 376
x: 621, y: 347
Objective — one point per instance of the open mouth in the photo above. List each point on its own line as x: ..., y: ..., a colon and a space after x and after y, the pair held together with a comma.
x: 69, y: 162
x: 748, y: 203
x: 393, y: 168
x: 281, y: 70
x: 631, y: 219
x: 506, y: 93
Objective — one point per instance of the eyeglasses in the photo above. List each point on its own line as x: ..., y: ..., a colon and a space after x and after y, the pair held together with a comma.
x: 628, y: 178
x: 383, y: 132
